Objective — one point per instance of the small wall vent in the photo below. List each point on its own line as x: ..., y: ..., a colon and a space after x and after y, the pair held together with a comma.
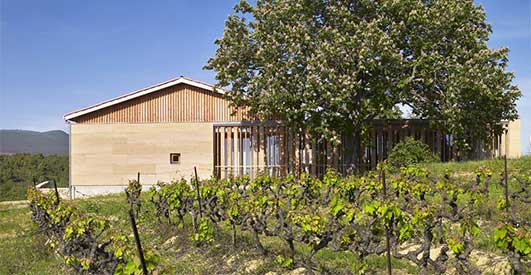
x: 175, y: 158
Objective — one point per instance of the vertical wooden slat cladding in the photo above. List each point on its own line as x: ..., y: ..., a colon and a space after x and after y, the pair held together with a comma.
x: 179, y: 103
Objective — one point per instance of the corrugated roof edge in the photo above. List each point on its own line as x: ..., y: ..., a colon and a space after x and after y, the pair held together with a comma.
x: 141, y: 92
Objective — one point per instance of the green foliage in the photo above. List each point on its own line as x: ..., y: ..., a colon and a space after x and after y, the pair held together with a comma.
x: 204, y: 233
x: 340, y: 213
x: 133, y: 266
x: 331, y: 66
x: 409, y: 152
x: 359, y: 267
x: 19, y: 171
x: 285, y: 262
x: 85, y: 242
x: 507, y: 236
x: 456, y: 247
x: 170, y: 199
x: 513, y: 234
x: 132, y: 193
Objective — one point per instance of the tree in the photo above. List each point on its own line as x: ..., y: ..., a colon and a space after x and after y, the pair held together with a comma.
x: 331, y: 66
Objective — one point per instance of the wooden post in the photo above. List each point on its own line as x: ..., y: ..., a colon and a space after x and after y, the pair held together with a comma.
x: 255, y: 148
x: 389, y: 145
x: 314, y: 157
x: 137, y: 240
x: 198, y: 193
x: 272, y: 150
x: 329, y: 156
x: 265, y: 149
x: 372, y: 148
x: 268, y: 152
x: 290, y: 146
x: 506, y: 183
x: 258, y: 150
x: 237, y: 150
x: 298, y: 161
x: 246, y: 148
x: 138, y: 177
x: 230, y: 145
x: 56, y: 192
x: 380, y: 144
x: 214, y: 152
x: 438, y: 144
x: 284, y: 152
x: 223, y: 151
x: 387, y: 237
x: 241, y: 134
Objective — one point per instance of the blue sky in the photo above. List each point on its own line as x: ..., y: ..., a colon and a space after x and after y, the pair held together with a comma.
x: 58, y: 56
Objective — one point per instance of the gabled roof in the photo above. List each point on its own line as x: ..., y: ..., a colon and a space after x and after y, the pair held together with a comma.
x: 142, y: 92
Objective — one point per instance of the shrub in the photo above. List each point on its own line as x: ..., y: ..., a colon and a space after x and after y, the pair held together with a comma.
x: 409, y: 152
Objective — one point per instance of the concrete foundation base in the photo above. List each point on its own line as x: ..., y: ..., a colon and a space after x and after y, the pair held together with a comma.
x: 84, y: 191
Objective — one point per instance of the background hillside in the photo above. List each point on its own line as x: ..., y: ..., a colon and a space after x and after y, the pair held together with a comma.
x: 31, y: 142
x: 18, y: 171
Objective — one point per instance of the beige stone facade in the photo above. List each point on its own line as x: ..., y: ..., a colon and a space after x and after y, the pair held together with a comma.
x: 104, y: 157
x: 510, y: 142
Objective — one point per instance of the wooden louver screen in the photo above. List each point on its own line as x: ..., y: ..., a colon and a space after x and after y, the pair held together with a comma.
x: 271, y: 149
x: 274, y: 149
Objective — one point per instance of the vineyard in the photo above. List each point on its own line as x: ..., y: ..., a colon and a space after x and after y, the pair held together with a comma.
x: 413, y: 220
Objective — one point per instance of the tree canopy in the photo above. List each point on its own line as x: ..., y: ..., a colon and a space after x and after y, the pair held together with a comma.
x: 334, y: 65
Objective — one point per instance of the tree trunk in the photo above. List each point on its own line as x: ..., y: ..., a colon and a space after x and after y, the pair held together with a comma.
x: 291, y: 249
x: 352, y: 152
x: 233, y: 234
x: 256, y: 238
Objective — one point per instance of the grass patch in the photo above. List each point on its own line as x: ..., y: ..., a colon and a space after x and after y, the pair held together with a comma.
x: 465, y: 169
x: 23, y: 249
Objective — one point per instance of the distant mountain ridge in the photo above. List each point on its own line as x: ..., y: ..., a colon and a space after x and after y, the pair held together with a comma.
x: 32, y: 142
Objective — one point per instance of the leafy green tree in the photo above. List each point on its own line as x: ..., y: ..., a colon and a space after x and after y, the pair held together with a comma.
x: 331, y: 66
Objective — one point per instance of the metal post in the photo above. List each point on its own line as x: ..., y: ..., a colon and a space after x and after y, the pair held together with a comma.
x: 198, y: 193
x: 137, y: 240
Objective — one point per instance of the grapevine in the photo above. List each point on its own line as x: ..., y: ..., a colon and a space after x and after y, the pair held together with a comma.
x: 86, y: 242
